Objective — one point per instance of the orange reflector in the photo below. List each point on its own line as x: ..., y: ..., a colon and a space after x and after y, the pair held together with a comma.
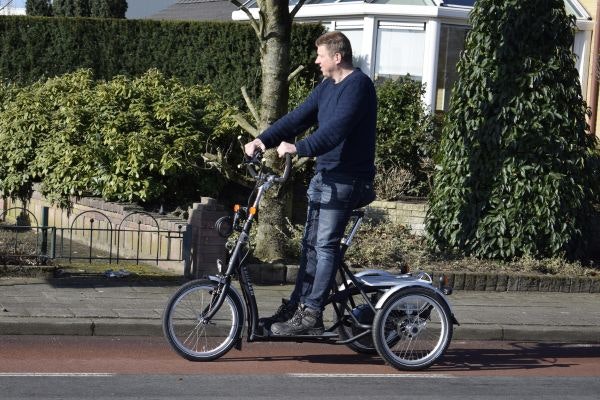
x: 253, y: 211
x: 236, y: 208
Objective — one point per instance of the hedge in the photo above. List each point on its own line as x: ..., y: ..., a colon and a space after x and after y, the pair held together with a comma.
x: 222, y: 54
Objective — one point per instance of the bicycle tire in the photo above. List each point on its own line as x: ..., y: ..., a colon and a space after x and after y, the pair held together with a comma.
x: 189, y: 334
x: 413, y: 329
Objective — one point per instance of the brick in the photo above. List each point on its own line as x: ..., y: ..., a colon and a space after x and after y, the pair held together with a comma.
x: 528, y: 283
x: 502, y: 283
x: 459, y: 281
x: 580, y: 285
x: 595, y: 285
x: 565, y: 285
x: 491, y: 282
x: 512, y: 285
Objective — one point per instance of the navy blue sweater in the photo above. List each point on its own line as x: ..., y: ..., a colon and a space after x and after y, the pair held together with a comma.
x: 346, y: 114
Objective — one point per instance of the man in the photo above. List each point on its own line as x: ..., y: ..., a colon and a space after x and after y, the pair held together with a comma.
x: 344, y: 107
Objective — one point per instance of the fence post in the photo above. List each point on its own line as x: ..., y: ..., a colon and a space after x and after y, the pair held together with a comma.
x: 44, y: 249
x: 187, y: 251
x: 206, y: 244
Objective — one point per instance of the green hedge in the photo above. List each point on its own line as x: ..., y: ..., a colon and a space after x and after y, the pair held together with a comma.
x: 223, y: 54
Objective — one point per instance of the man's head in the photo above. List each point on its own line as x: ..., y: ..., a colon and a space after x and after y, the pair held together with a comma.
x: 333, y: 52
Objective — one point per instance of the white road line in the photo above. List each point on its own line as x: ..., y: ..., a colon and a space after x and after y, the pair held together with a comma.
x: 54, y: 374
x: 425, y: 376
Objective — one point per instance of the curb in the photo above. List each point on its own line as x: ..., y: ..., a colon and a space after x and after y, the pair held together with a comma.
x: 153, y: 328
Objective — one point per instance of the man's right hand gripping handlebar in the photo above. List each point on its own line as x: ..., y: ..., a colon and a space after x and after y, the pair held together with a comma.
x: 254, y: 151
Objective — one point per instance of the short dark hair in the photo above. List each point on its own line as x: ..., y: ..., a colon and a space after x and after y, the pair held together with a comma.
x: 336, y: 42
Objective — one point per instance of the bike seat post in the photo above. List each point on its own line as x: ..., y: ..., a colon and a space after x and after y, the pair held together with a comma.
x: 359, y: 214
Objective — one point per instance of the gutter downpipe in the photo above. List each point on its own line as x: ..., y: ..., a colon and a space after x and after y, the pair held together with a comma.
x: 595, y: 71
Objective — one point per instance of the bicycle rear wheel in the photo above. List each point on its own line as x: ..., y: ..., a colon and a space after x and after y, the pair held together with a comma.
x: 412, y: 329
x: 357, y: 305
x: 190, y: 334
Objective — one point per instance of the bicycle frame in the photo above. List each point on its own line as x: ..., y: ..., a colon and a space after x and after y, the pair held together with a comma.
x: 235, y: 266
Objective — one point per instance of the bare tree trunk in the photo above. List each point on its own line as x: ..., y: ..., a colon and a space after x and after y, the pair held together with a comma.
x: 275, y: 61
x: 273, y: 29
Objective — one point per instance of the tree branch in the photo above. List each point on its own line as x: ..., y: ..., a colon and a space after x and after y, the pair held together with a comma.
x: 297, y: 8
x: 245, y: 125
x: 295, y: 73
x: 249, y: 14
x: 250, y: 105
x: 216, y: 161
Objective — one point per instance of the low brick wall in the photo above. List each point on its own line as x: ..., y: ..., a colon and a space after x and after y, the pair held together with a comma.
x: 410, y: 213
x: 190, y: 247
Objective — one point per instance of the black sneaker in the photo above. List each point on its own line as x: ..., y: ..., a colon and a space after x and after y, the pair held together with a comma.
x: 304, y: 322
x: 284, y: 313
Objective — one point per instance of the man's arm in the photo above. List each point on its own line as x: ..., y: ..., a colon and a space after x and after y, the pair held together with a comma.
x: 293, y: 123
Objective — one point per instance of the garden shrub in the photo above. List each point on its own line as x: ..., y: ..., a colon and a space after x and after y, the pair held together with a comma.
x: 405, y: 140
x: 516, y: 164
x: 125, y: 139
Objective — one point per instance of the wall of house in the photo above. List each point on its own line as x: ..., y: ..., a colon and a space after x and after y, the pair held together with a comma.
x: 591, y: 6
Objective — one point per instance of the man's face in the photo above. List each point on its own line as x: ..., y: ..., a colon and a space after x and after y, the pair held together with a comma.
x: 327, y: 61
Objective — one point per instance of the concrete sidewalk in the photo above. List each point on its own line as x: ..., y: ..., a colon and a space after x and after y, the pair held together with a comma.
x: 77, y: 306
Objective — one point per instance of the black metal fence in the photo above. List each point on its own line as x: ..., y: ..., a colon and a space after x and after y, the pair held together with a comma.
x: 90, y: 235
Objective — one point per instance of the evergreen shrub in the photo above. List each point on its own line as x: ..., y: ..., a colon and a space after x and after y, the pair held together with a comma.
x: 516, y: 169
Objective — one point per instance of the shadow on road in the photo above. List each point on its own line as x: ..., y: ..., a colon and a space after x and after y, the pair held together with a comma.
x: 505, y: 356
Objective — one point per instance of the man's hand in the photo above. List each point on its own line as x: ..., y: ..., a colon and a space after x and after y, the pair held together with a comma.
x: 250, y: 148
x: 285, y: 148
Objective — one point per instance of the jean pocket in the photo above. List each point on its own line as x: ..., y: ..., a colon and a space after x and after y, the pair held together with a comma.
x: 335, y: 192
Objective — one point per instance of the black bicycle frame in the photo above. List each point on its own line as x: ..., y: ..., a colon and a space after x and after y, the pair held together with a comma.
x: 235, y: 265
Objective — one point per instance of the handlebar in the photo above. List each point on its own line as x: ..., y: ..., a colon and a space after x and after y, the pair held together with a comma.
x: 256, y: 159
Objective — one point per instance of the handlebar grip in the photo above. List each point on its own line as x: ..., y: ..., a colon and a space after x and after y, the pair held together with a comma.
x: 250, y: 166
x: 287, y: 170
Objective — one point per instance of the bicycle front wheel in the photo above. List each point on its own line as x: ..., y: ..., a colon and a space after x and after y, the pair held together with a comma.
x: 193, y: 336
x: 412, y: 329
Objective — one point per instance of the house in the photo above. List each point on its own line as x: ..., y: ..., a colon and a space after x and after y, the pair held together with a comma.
x: 194, y: 10
x: 422, y: 38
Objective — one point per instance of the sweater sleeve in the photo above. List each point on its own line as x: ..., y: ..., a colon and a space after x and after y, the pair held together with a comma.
x: 293, y: 123
x: 339, y: 121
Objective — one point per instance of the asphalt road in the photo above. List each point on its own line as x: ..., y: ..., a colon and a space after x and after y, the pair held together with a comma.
x: 62, y: 367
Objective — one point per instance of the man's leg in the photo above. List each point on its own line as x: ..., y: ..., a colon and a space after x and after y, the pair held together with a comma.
x: 308, y: 255
x: 308, y: 260
x: 331, y: 202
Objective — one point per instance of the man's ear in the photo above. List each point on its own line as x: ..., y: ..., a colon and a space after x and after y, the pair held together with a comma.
x: 337, y: 57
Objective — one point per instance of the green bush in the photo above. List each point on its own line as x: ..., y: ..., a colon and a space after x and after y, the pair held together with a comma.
x: 126, y: 139
x: 405, y: 140
x: 516, y: 164
x: 222, y: 54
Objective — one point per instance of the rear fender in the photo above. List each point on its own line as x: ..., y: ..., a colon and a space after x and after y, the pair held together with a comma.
x: 425, y: 285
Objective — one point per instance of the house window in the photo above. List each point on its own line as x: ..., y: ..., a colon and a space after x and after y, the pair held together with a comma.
x: 400, y: 49
x: 452, y: 43
x: 354, y: 32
